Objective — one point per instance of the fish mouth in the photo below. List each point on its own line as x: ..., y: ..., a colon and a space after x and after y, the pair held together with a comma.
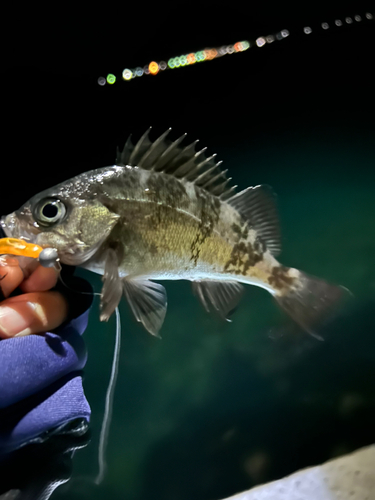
x: 13, y: 228
x: 8, y: 224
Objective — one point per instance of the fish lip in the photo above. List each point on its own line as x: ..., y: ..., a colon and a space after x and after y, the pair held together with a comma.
x: 12, y: 228
x: 3, y: 228
x: 7, y: 226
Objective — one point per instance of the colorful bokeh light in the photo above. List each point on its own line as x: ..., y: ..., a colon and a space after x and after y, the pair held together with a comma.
x: 153, y: 68
x: 208, y: 54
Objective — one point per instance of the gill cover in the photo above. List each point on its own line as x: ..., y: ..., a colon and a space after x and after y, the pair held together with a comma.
x: 79, y: 234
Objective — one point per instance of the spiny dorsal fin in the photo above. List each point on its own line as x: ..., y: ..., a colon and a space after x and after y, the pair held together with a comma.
x: 257, y: 206
x: 170, y: 158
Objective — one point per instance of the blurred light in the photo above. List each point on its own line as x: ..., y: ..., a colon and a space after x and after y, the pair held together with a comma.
x: 211, y: 53
x: 191, y: 58
x: 282, y: 34
x: 208, y: 54
x: 111, y: 78
x: 200, y: 56
x: 127, y: 74
x: 260, y: 41
x: 154, y: 68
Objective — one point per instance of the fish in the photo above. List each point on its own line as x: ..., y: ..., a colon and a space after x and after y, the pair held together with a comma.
x: 165, y: 211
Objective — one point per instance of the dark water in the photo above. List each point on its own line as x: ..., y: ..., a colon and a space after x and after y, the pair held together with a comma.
x: 232, y: 405
x: 213, y: 408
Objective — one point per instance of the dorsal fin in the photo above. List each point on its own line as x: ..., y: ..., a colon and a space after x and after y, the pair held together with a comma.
x: 258, y: 207
x: 169, y: 157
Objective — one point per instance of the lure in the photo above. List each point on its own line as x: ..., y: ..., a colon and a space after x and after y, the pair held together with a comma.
x: 47, y: 257
x: 14, y: 246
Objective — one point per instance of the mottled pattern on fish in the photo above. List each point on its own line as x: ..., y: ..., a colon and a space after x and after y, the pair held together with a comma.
x: 167, y: 212
x: 170, y: 228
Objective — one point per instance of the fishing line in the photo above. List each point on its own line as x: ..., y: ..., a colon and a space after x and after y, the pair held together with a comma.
x: 103, y: 441
x: 77, y: 291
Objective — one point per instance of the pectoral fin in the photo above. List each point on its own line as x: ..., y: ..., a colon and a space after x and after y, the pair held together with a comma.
x: 148, y: 301
x: 112, y: 286
x: 222, y: 296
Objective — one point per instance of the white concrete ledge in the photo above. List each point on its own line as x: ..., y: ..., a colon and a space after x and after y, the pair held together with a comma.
x: 351, y: 477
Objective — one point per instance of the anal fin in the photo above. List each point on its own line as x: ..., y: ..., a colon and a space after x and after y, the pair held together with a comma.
x: 148, y: 301
x: 221, y: 296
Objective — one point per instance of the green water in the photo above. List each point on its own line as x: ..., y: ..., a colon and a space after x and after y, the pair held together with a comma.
x: 214, y: 408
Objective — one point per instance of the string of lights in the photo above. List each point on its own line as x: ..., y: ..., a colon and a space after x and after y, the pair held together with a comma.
x: 208, y: 54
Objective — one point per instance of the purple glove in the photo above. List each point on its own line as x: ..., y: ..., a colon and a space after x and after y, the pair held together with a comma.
x: 40, y: 384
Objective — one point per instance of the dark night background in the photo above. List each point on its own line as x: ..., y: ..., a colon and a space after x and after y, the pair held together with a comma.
x: 214, y: 409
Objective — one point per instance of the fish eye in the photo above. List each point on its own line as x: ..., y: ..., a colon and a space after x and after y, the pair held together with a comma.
x: 49, y: 211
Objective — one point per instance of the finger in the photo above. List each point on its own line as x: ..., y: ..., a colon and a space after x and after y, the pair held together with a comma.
x: 43, y: 278
x: 34, y: 312
x: 10, y: 277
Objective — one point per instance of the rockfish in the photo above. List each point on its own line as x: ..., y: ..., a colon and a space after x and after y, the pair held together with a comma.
x: 167, y: 212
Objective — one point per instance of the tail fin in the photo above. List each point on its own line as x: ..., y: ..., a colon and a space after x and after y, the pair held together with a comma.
x: 312, y: 302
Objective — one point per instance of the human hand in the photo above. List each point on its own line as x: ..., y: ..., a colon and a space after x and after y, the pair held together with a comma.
x: 38, y: 309
x: 41, y: 388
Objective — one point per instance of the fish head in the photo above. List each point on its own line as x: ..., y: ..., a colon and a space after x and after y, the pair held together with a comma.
x: 75, y: 223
